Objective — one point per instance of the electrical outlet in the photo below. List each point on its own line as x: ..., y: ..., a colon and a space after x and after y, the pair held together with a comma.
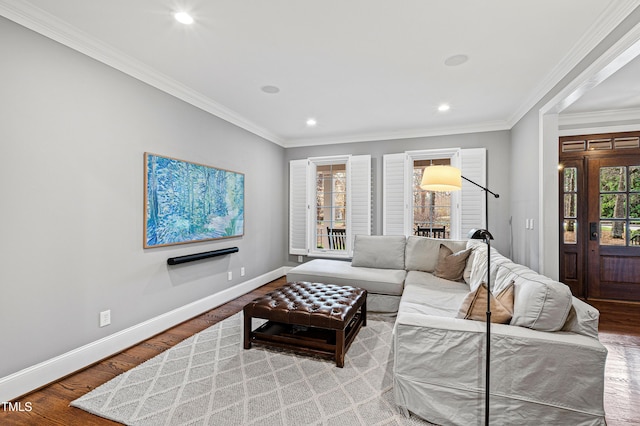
x: 229, y: 276
x: 242, y: 271
x: 105, y: 318
x: 299, y: 259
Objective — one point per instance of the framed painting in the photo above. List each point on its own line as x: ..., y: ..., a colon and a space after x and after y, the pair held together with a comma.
x: 187, y: 202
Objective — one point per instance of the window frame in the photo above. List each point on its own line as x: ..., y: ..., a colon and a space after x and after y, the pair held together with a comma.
x: 453, y: 155
x: 302, y: 203
x: 467, y: 205
x: 314, y: 162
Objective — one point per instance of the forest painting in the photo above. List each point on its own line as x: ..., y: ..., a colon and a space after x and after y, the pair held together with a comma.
x: 187, y: 202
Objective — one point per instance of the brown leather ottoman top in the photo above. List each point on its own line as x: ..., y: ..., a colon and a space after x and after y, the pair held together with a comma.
x: 309, y: 304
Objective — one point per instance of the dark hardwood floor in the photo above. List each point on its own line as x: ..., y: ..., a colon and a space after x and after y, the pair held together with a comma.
x: 619, y: 332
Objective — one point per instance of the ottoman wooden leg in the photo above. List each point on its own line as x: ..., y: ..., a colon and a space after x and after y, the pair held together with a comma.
x: 340, y: 348
x: 363, y: 309
x: 247, y: 331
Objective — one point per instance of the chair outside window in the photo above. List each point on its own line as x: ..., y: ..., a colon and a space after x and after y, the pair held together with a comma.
x: 337, y: 238
x: 433, y: 232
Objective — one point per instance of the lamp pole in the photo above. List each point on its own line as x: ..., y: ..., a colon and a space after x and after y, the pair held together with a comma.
x: 486, y: 236
x: 488, y: 356
x: 449, y: 178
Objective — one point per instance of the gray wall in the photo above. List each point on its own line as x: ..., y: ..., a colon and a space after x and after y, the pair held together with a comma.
x: 498, y: 180
x: 72, y: 136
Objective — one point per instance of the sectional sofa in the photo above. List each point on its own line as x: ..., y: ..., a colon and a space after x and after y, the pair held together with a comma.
x: 547, y: 365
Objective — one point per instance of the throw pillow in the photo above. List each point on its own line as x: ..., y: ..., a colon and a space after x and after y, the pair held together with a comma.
x: 474, y: 305
x: 451, y: 265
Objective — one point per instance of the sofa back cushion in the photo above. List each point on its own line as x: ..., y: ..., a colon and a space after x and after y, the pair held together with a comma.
x: 379, y: 251
x: 422, y: 252
x: 540, y: 302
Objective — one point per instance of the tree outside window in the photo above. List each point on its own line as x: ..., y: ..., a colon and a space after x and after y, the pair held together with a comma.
x: 431, y: 210
x: 619, y: 205
x: 331, y: 204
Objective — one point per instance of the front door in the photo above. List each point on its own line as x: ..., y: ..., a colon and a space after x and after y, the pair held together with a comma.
x: 600, y: 216
x: 613, y: 216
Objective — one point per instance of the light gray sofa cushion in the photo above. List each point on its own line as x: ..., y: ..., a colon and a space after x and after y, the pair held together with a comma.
x: 422, y: 252
x: 381, y: 281
x: 426, y: 294
x: 379, y: 251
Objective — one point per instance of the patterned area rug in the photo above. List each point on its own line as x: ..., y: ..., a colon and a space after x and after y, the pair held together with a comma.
x: 209, y: 379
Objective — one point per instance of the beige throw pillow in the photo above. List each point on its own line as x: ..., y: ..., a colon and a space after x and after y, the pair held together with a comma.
x: 451, y: 265
x: 474, y: 305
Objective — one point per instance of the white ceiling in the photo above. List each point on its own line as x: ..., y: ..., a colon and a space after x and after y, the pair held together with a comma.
x: 365, y: 69
x: 621, y: 91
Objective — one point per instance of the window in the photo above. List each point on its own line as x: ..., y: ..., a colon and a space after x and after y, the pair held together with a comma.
x: 329, y: 203
x: 331, y: 206
x: 405, y: 206
x: 431, y: 210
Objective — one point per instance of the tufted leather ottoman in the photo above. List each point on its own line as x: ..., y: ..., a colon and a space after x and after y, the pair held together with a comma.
x: 309, y: 317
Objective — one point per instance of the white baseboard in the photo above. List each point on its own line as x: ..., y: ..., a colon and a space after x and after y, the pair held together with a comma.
x: 36, y: 376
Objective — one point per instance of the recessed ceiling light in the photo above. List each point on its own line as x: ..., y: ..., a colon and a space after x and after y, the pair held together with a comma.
x: 270, y: 89
x: 455, y: 60
x: 311, y: 122
x: 444, y: 107
x: 183, y: 18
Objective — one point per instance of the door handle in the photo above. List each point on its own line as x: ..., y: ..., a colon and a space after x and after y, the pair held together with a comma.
x: 593, y: 231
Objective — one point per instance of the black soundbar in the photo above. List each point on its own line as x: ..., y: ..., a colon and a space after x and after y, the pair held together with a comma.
x: 199, y: 256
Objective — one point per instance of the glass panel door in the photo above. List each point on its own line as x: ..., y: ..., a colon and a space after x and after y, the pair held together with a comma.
x: 613, y: 265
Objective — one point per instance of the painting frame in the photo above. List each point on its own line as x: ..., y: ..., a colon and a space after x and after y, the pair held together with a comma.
x: 187, y: 202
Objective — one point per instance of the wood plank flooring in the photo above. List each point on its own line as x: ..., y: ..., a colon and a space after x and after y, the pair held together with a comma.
x: 50, y: 405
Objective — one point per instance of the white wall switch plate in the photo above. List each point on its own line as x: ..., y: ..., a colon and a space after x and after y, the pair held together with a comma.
x: 105, y: 318
x: 229, y: 276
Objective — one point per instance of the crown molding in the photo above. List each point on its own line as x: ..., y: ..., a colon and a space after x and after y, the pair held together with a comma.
x: 592, y: 123
x: 589, y: 118
x: 492, y: 126
x: 599, y: 129
x: 56, y: 29
x: 615, y: 13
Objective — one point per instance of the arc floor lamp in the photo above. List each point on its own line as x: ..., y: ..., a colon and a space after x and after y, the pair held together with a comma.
x: 449, y: 178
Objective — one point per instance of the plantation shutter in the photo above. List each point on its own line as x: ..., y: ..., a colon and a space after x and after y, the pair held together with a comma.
x: 298, y: 206
x: 472, y: 200
x: 394, y: 203
x: 359, y: 193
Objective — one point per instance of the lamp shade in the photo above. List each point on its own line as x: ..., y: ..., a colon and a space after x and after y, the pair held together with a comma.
x: 441, y: 178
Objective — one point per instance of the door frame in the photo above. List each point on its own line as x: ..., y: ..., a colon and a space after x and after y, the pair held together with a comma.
x: 618, y: 54
x: 577, y: 151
